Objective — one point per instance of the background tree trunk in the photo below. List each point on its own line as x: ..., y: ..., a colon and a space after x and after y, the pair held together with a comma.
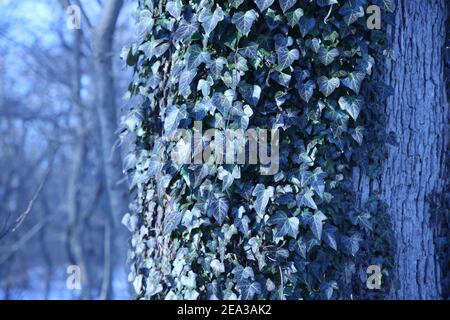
x: 417, y: 116
x: 107, y: 109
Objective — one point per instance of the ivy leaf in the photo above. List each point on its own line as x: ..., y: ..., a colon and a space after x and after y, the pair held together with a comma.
x: 195, y: 56
x: 223, y: 101
x: 217, y: 266
x: 173, y: 118
x: 327, y: 56
x: 248, y: 289
x: 174, y: 8
x: 306, y: 90
x: 354, y: 81
x: 285, y: 225
x: 351, y: 244
x: 263, y: 4
x: 285, y: 5
x: 184, y: 84
x: 210, y: 20
x: 306, y: 25
x: 299, y: 246
x: 327, y: 288
x: 218, y: 208
x: 263, y: 196
x: 316, y: 224
x: 251, y: 93
x: 281, y: 78
x: 306, y: 199
x: 171, y: 222
x: 327, y: 86
x: 244, y: 21
x: 293, y: 17
x: 216, y: 67
x: 185, y: 31
x: 235, y: 3
x: 389, y: 5
x: 329, y: 236
x: 352, y: 105
x: 358, y: 135
x: 351, y: 12
x: 286, y: 57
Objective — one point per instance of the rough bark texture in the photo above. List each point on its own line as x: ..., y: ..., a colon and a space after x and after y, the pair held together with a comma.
x: 417, y: 115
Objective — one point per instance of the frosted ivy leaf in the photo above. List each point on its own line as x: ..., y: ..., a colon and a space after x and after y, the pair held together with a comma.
x: 235, y: 3
x: 130, y: 221
x: 286, y: 57
x: 195, y: 56
x: 251, y: 93
x: 189, y: 281
x: 352, y: 105
x: 244, y: 21
x: 285, y: 5
x: 285, y: 225
x: 263, y: 4
x: 293, y: 17
x: 263, y: 196
x: 210, y: 20
x: 306, y: 25
x: 327, y: 56
x: 351, y: 12
x: 354, y: 81
x: 306, y: 90
x: 328, y: 86
x: 217, y: 266
x: 174, y: 8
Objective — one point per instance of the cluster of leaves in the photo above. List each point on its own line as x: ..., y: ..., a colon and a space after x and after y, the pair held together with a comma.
x: 216, y: 231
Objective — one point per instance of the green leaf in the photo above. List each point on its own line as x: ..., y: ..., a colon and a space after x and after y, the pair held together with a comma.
x: 306, y: 90
x: 306, y: 199
x: 293, y: 17
x: 352, y: 105
x: 174, y: 8
x: 285, y: 5
x: 171, y: 221
x: 263, y: 4
x: 316, y: 224
x: 354, y: 81
x: 218, y: 208
x: 327, y: 86
x: 263, y: 196
x: 285, y: 225
x: 286, y: 57
x: 244, y: 21
x: 195, y: 56
x: 328, y: 56
x: 210, y: 20
x: 351, y: 12
x: 306, y: 25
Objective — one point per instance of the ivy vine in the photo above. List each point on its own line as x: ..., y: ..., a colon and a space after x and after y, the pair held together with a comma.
x: 212, y: 231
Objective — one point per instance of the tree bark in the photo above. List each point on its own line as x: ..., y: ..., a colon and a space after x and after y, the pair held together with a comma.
x: 417, y: 115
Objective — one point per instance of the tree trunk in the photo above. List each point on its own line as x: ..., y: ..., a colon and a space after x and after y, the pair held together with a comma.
x: 75, y: 231
x: 417, y: 115
x: 107, y: 109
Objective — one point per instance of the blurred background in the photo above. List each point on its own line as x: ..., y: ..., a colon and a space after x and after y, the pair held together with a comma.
x: 62, y: 191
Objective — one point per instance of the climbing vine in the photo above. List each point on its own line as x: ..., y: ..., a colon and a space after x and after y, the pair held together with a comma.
x: 225, y: 231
